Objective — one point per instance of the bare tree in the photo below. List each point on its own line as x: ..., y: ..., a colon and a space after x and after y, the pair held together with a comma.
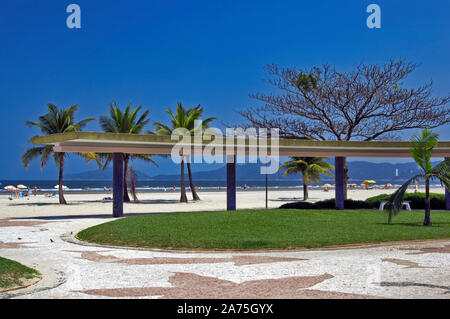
x: 367, y: 103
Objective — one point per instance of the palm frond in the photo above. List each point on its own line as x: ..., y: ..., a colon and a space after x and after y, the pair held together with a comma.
x: 45, y: 155
x: 395, y: 202
x: 31, y: 154
x: 441, y: 172
x: 144, y: 157
x: 422, y: 145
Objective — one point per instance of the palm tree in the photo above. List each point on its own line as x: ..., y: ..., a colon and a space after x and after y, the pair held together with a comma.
x: 185, y: 118
x: 57, y: 120
x: 421, y: 148
x: 311, y: 169
x: 125, y: 122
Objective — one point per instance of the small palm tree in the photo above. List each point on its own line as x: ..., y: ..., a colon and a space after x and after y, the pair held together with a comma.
x: 311, y: 169
x: 125, y: 122
x: 421, y: 148
x: 185, y: 118
x: 57, y: 120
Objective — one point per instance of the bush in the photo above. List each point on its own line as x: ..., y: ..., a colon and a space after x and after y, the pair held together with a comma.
x: 299, y: 205
x: 330, y: 204
x: 417, y: 200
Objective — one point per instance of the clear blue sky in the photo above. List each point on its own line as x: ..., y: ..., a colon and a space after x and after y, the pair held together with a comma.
x: 211, y: 53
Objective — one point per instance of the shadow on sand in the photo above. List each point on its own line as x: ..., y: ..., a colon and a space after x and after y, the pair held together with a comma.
x: 74, y: 203
x: 93, y: 216
x: 283, y: 199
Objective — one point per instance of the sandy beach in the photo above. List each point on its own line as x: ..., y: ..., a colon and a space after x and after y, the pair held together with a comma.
x: 164, y: 202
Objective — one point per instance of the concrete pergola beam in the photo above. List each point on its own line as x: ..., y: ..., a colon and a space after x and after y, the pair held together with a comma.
x: 162, y: 145
x: 118, y: 144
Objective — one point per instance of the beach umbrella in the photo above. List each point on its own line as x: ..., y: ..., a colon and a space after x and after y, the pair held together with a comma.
x: 369, y: 182
x: 63, y: 187
x: 21, y: 186
x: 10, y: 187
x: 327, y: 185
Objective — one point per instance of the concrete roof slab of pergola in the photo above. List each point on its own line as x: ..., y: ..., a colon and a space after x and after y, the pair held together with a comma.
x: 153, y: 144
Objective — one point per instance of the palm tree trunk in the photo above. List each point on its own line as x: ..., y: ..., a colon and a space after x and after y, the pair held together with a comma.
x: 427, y: 219
x: 133, y: 184
x: 305, y: 187
x: 126, y: 198
x: 183, y: 198
x: 191, y: 183
x: 62, y: 200
x: 305, y: 192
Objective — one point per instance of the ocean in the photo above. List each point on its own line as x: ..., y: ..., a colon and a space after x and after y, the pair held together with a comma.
x: 98, y: 186
x: 74, y: 186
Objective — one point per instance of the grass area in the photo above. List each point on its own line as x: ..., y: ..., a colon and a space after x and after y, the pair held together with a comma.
x: 13, y: 274
x: 256, y: 229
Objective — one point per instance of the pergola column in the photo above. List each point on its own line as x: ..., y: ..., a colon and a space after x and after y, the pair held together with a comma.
x: 339, y: 182
x: 231, y: 182
x: 117, y: 185
x: 447, y: 194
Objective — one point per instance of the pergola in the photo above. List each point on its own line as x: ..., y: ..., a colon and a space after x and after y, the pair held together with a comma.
x: 119, y: 144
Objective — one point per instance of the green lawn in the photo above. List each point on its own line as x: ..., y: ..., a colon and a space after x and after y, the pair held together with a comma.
x: 13, y: 274
x: 255, y: 229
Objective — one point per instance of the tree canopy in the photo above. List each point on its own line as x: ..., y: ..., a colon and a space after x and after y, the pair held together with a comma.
x: 368, y: 103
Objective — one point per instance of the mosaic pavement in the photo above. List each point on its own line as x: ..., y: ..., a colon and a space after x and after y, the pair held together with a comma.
x: 71, y: 270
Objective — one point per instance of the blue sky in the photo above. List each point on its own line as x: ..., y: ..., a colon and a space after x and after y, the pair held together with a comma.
x: 212, y: 53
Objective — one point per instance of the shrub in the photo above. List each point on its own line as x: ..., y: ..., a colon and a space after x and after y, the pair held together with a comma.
x: 299, y: 205
x: 330, y: 204
x: 417, y: 200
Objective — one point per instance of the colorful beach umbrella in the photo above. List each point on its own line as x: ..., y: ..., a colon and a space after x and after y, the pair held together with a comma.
x: 21, y: 186
x: 327, y: 185
x: 10, y: 187
x: 63, y: 187
x: 369, y: 181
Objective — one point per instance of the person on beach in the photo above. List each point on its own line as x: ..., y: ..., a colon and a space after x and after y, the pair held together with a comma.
x: 35, y: 190
x: 416, y: 186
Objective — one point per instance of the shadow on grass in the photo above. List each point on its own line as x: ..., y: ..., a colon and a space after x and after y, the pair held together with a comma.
x: 418, y: 224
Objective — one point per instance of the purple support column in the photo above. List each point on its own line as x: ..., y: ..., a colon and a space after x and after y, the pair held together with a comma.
x: 447, y: 194
x: 231, y: 182
x: 447, y: 199
x: 339, y: 181
x: 117, y: 185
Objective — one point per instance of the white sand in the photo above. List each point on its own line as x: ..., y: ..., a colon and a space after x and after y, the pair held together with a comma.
x: 92, y: 204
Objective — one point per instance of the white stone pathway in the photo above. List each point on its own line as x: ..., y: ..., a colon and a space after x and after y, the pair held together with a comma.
x: 71, y: 270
